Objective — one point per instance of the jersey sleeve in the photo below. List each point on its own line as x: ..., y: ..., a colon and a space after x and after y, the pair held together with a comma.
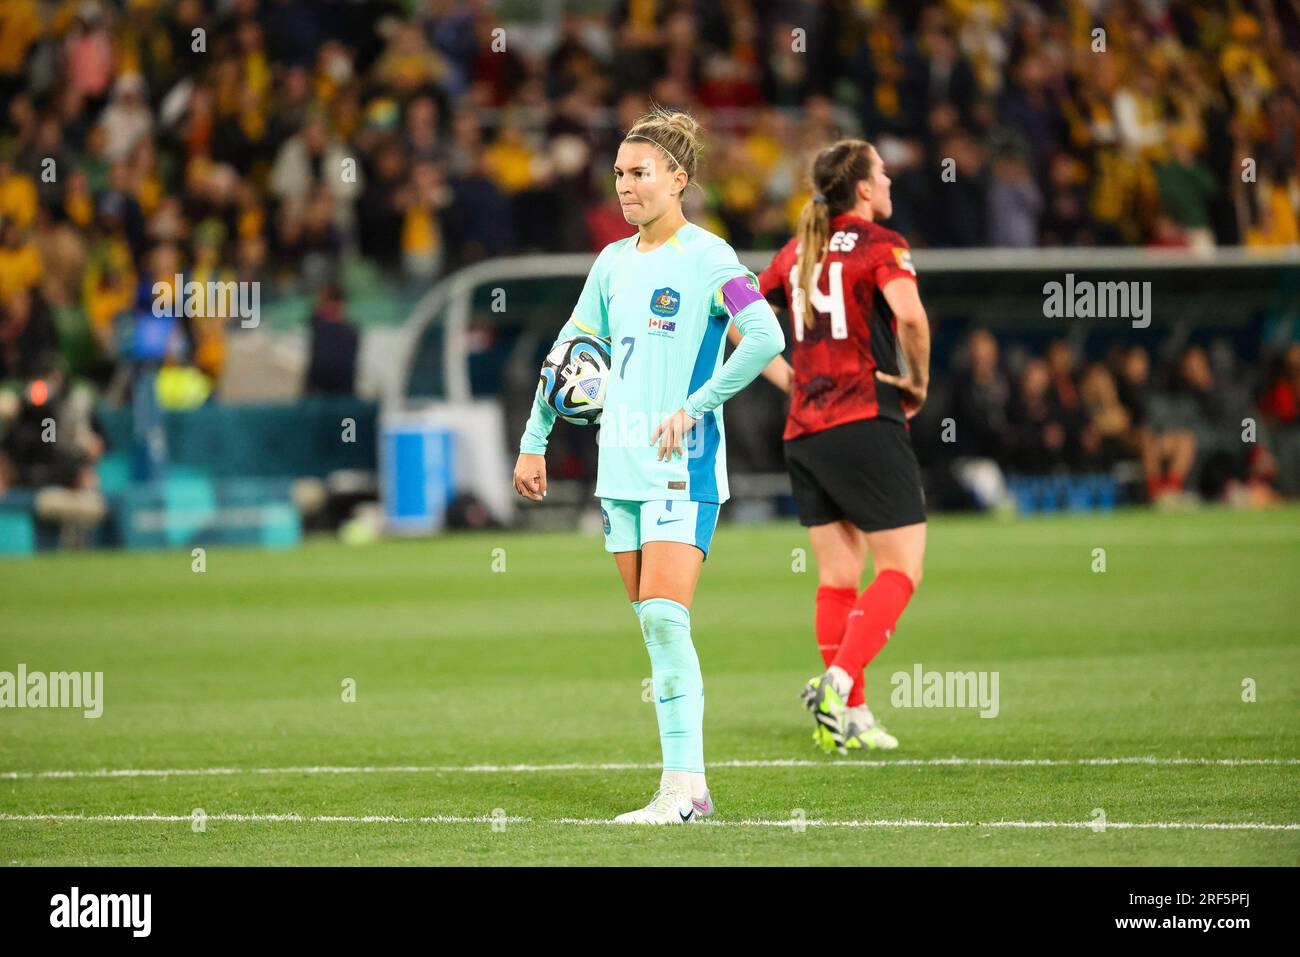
x: 891, y: 258
x: 590, y: 317
x: 721, y: 269
x: 591, y: 314
x: 771, y: 281
x: 736, y: 298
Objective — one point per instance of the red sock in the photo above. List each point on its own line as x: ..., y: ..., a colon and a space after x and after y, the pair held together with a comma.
x: 872, y: 620
x: 833, y: 607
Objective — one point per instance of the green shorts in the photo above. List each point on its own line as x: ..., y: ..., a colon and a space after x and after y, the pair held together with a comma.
x: 629, y: 525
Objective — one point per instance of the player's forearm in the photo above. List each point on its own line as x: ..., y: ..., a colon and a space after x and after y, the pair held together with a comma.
x: 542, y: 418
x: 914, y: 340
x: 540, y: 422
x: 761, y: 342
x: 779, y: 372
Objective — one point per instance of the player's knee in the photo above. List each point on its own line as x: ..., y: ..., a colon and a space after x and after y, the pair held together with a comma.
x: 840, y: 570
x: 662, y: 620
x: 910, y: 570
x: 840, y: 577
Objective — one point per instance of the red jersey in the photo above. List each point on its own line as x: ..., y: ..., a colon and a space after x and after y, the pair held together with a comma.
x: 854, y: 332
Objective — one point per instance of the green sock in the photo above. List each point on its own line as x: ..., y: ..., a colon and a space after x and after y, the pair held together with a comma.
x: 678, y: 684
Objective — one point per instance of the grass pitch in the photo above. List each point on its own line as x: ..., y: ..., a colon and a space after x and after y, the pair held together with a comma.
x: 499, y: 715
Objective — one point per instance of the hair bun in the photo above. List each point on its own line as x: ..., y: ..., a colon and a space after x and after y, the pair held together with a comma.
x: 677, y: 133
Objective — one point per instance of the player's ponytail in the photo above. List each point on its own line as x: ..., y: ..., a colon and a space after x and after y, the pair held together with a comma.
x: 814, y: 230
x: 677, y: 134
x: 835, y: 174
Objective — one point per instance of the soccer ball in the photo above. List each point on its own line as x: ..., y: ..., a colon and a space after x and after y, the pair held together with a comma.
x: 573, y: 379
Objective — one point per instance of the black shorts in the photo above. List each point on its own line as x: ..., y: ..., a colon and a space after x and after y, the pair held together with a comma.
x: 864, y: 471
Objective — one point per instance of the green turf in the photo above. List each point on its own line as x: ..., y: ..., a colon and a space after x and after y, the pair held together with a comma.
x: 456, y: 664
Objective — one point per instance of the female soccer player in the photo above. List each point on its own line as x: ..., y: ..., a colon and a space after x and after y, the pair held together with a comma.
x: 663, y: 298
x: 856, y: 481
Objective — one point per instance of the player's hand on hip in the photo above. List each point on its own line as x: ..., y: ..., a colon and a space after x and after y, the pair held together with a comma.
x: 671, y: 433
x: 530, y: 476
x: 911, y: 392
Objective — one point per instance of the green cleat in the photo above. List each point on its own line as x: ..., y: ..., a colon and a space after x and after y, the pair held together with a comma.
x: 822, y: 739
x: 820, y: 697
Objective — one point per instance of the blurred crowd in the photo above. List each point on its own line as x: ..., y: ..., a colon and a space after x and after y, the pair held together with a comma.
x: 279, y: 140
x: 303, y: 143
x: 1200, y: 425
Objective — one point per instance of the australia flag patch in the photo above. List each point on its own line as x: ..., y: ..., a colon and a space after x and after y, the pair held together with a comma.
x: 665, y: 302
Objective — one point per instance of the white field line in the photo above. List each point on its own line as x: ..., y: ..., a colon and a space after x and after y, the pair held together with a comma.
x: 272, y: 818
x: 539, y: 768
x: 792, y: 823
x: 1141, y: 538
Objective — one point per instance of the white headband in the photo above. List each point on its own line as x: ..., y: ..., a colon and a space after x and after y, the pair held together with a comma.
x: 642, y: 136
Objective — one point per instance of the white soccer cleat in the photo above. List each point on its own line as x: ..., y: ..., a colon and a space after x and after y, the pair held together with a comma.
x: 703, y: 806
x: 670, y: 805
x: 864, y: 733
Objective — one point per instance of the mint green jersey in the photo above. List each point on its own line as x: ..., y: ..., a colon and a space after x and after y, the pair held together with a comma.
x: 665, y: 315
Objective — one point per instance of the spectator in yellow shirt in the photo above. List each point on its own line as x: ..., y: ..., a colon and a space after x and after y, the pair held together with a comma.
x: 20, y: 26
x: 1276, y: 222
x: 17, y: 195
x: 20, y: 263
x: 108, y: 287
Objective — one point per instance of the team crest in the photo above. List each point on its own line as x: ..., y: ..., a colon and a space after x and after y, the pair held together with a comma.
x: 665, y: 301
